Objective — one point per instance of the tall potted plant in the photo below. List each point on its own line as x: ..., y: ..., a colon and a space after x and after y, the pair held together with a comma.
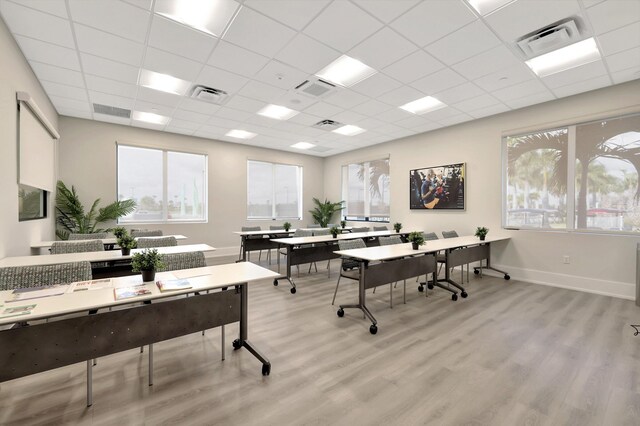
x: 324, y: 211
x: 147, y: 262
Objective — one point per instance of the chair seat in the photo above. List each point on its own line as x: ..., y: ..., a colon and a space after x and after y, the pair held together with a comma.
x: 353, y: 274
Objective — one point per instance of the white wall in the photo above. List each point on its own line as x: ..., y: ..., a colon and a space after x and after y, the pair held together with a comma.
x: 87, y: 160
x: 16, y: 75
x: 599, y: 263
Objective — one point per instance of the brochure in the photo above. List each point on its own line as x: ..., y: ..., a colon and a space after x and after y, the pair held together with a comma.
x: 172, y: 285
x: 36, y: 292
x: 128, y: 292
x: 91, y: 285
x: 17, y: 310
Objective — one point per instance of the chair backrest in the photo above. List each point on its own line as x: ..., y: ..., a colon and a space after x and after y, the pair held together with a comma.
x: 94, y: 236
x: 380, y: 228
x: 35, y: 276
x: 388, y: 241
x: 449, y: 234
x: 157, y: 242
x: 145, y: 233
x: 251, y: 228
x: 275, y: 227
x: 61, y: 247
x: 314, y: 225
x: 177, y: 261
x: 303, y: 233
x: 430, y: 236
x: 361, y: 229
x: 357, y: 243
x: 318, y: 232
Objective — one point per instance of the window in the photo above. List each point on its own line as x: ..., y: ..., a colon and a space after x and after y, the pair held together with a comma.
x: 274, y: 191
x: 32, y: 203
x: 365, y: 189
x: 167, y: 186
x: 582, y: 177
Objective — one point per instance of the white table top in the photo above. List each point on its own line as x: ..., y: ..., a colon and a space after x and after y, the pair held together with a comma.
x: 201, y: 279
x: 328, y: 238
x: 95, y: 256
x: 396, y: 251
x: 47, y: 244
x: 266, y: 232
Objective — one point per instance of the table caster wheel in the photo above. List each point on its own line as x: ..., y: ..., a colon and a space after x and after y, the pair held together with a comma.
x: 507, y: 277
x: 476, y: 271
x: 293, y: 290
x: 266, y: 369
x: 373, y: 329
x: 420, y: 288
x: 340, y: 312
x: 237, y: 344
x: 430, y: 286
x: 454, y: 297
x: 275, y: 283
x: 464, y: 294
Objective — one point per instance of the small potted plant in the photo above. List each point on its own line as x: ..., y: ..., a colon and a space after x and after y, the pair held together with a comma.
x: 416, y: 238
x: 148, y: 262
x: 481, y: 232
x: 397, y: 226
x: 334, y: 231
x: 119, y: 231
x: 286, y: 226
x: 126, y: 243
x: 343, y: 223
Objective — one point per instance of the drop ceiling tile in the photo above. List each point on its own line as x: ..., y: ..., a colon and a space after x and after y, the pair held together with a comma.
x: 171, y: 128
x: 194, y: 117
x: 411, y: 122
x: 201, y: 107
x: 70, y: 104
x: 342, y: 25
x: 386, y: 10
x: 143, y: 106
x: 624, y: 60
x: 261, y: 91
x: 590, y: 3
x: 245, y: 104
x: 619, y: 40
x: 143, y: 4
x: 394, y: 115
x: 74, y: 113
x: 306, y: 54
x: 459, y: 93
x: 235, y: 59
x: 258, y: 120
x: 428, y: 127
x: 38, y: 25
x: 414, y: 66
x: 168, y: 63
x: 382, y: 49
x: 345, y: 98
x: 221, y: 79
x: 53, y: 7
x: 390, y: 129
x: 208, y: 131
x: 111, y: 100
x: 46, y: 72
x: 108, y: 46
x: 158, y: 97
x: 373, y: 107
x: 476, y: 103
x: 525, y: 101
x: 489, y: 110
x: 610, y: 15
x: 437, y: 82
x: 112, y: 87
x: 147, y: 125
x: 505, y: 77
x: 582, y: 86
x: 429, y: 21
x: 294, y: 13
x: 402, y: 95
x: 36, y: 50
x: 115, y: 17
x: 442, y: 114
x: 521, y: 17
x: 457, y: 119
x: 64, y: 91
x: 280, y: 75
x: 486, y: 63
x: 584, y: 72
x: 349, y: 117
x: 106, y: 68
x: 181, y: 40
x: 183, y: 124
x: 258, y: 33
x: 475, y: 37
x: 625, y: 75
x: 111, y: 119
x: 236, y: 114
x: 371, y: 123
x: 517, y: 91
x: 376, y: 85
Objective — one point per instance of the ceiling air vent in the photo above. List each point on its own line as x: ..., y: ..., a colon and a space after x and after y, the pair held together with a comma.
x: 111, y: 110
x: 552, y: 37
x: 328, y: 125
x: 209, y: 94
x: 315, y: 88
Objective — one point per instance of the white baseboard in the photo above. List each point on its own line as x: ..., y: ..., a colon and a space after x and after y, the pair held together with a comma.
x: 590, y: 285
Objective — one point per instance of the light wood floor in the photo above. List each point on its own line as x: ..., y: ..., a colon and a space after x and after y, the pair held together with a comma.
x: 512, y: 353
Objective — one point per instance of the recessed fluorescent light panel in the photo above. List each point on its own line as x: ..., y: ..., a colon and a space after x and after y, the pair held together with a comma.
x: 302, y: 145
x: 209, y: 16
x: 349, y: 130
x: 484, y: 7
x: 346, y: 71
x: 574, y: 55
x: 277, y: 112
x: 150, y: 117
x: 240, y: 134
x: 163, y: 82
x: 423, y: 105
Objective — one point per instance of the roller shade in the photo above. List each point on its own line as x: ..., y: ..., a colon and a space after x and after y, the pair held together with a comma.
x: 36, y: 152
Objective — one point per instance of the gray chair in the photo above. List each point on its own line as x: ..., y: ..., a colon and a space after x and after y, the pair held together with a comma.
x: 157, y: 242
x: 380, y: 228
x: 350, y: 268
x: 94, y: 236
x: 361, y: 229
x: 146, y: 233
x: 175, y: 261
x: 61, y: 247
x: 297, y: 233
x: 13, y: 277
x: 388, y: 241
x: 252, y: 237
x: 314, y: 225
x: 430, y: 236
x: 454, y: 234
x: 322, y: 231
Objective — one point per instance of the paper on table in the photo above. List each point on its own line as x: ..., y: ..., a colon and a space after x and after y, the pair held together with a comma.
x: 128, y: 292
x: 172, y: 285
x: 91, y: 285
x: 17, y: 310
x: 36, y: 292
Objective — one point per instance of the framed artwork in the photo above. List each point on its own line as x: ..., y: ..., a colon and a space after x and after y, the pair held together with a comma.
x: 437, y: 188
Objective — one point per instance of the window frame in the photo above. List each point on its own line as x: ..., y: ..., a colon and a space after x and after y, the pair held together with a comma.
x: 274, y: 216
x: 367, y: 217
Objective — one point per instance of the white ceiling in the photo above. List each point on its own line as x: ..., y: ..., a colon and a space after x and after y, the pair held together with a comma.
x: 86, y: 52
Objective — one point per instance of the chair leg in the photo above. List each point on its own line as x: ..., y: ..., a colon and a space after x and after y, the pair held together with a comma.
x: 391, y: 295
x: 151, y: 364
x: 89, y: 384
x: 223, y: 342
x: 404, y: 292
x: 336, y: 291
